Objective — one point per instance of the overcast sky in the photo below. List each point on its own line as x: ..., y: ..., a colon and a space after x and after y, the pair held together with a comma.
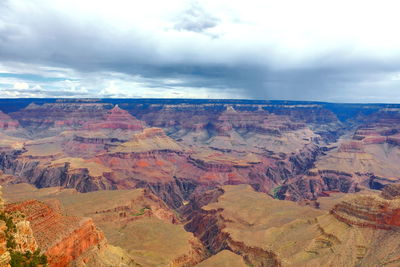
x: 339, y: 51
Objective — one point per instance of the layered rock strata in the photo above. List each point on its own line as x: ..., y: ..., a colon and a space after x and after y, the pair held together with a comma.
x: 372, y: 211
x: 62, y: 238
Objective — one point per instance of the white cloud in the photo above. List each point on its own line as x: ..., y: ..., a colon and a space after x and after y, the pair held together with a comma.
x: 279, y: 34
x: 132, y: 48
x: 21, y: 86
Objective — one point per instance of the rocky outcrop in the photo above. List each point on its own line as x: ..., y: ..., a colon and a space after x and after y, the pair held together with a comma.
x: 316, y: 184
x: 195, y: 255
x: 116, y: 118
x: 51, y: 118
x: 33, y: 172
x: 312, y: 113
x: 369, y: 211
x: 391, y: 192
x: 211, y: 166
x: 259, y: 121
x: 125, y: 211
x: 351, y: 147
x: 62, y: 238
x: 1, y: 200
x: 379, y: 128
x: 16, y: 237
x: 208, y: 225
x: 150, y: 139
x: 76, y: 242
x: 7, y: 123
x: 4, y: 253
x: 6, y: 178
x: 24, y: 236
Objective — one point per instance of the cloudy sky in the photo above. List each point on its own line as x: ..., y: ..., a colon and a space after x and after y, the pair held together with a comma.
x: 340, y: 51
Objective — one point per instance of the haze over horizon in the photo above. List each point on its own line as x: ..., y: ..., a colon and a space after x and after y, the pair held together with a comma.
x: 312, y: 50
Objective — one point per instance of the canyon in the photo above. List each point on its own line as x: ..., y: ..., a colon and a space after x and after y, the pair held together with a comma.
x: 168, y: 182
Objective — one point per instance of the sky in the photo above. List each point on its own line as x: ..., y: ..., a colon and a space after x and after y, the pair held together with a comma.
x: 318, y: 50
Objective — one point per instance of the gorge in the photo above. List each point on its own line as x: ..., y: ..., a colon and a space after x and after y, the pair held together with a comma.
x: 181, y: 182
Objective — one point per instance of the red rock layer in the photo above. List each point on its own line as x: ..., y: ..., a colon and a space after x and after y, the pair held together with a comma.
x: 74, y: 244
x: 59, y: 115
x: 6, y: 123
x: 201, y: 114
x: 369, y: 211
x: 256, y: 121
x: 316, y: 184
x: 62, y: 238
x: 380, y: 127
x: 116, y: 118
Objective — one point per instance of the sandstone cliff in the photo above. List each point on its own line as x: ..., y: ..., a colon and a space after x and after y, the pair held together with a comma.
x: 61, y: 246
x: 380, y: 212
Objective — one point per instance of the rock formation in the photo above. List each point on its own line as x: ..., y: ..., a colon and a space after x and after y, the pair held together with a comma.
x: 380, y: 212
x: 168, y: 174
x: 391, y: 192
x: 7, y: 123
x: 268, y: 232
x: 62, y: 238
x: 135, y: 220
x: 16, y: 238
x: 4, y: 254
x: 51, y: 118
x: 116, y: 118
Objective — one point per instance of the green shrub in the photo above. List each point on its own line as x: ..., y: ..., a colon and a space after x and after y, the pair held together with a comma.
x: 11, y: 244
x: 9, y: 222
x: 11, y: 227
x: 28, y: 259
x: 18, y: 259
x: 141, y: 211
x: 276, y: 192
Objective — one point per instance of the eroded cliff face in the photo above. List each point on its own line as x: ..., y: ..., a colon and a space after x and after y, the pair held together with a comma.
x: 373, y: 211
x: 4, y: 254
x: 138, y: 222
x: 208, y: 226
x: 189, y: 160
x: 263, y: 146
x: 281, y: 149
x: 268, y: 232
x: 391, y: 192
x: 16, y: 236
x: 369, y: 153
x: 318, y: 183
x: 153, y: 160
x: 114, y: 119
x: 63, y: 239
x: 7, y: 123
x: 49, y: 119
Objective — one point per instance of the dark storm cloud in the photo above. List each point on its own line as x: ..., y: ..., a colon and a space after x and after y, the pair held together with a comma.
x: 266, y: 52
